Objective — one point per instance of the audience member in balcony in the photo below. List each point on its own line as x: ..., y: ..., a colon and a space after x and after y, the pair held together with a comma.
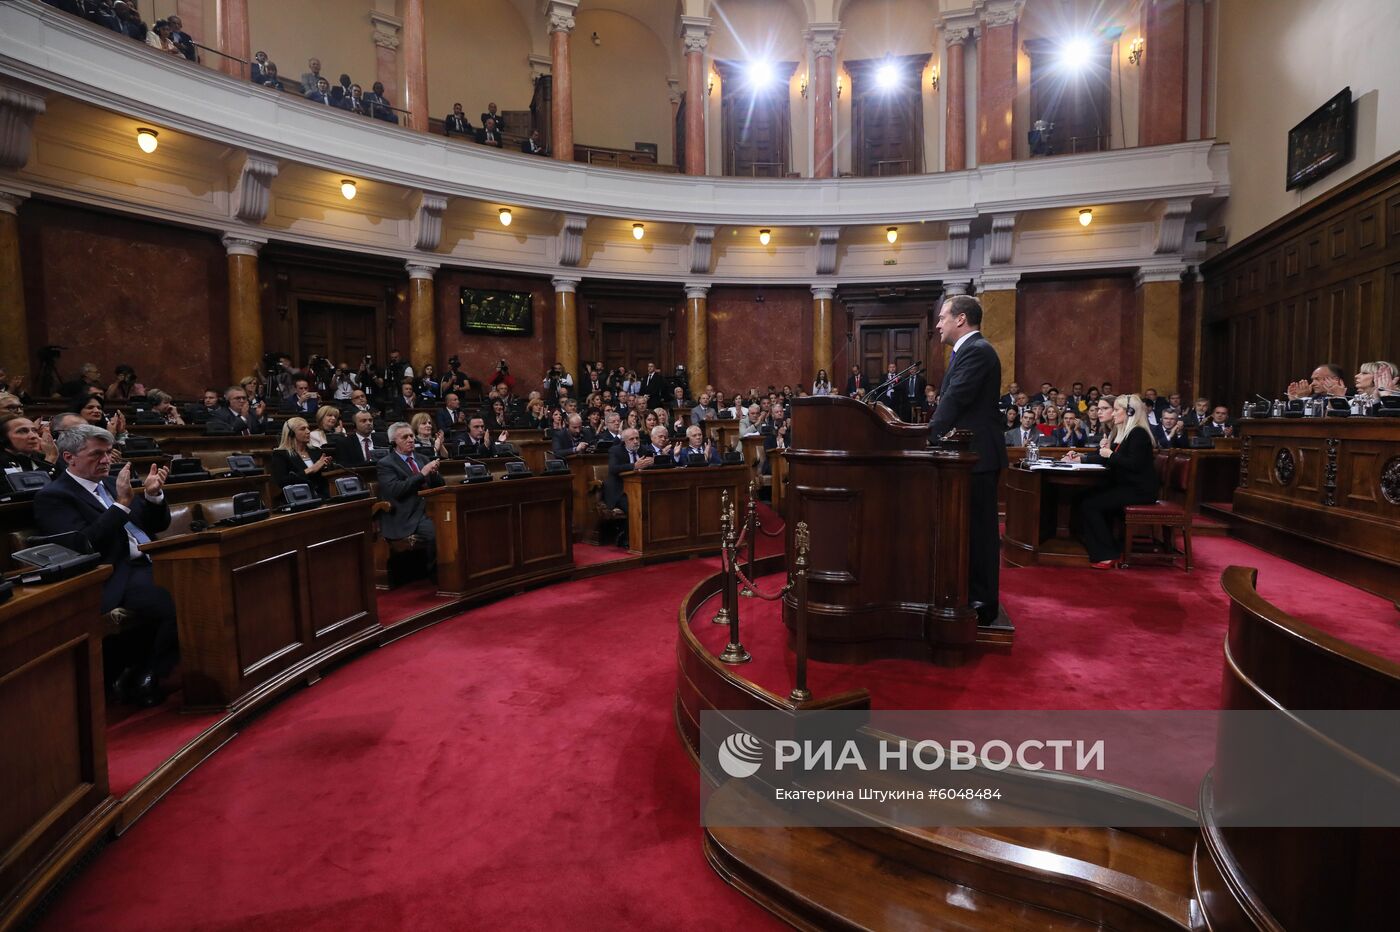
x: 1219, y: 424
x: 320, y: 93
x: 269, y: 78
x: 354, y: 101
x: 312, y: 77
x: 341, y: 89
x: 492, y: 114
x: 379, y: 106
x: 489, y: 135
x: 257, y: 68
x: 296, y: 461
x: 238, y: 417
x: 1326, y: 380
x: 1069, y: 433
x: 457, y: 124
x: 131, y: 22
x: 22, y: 446
x: 534, y: 145
x: 158, y: 37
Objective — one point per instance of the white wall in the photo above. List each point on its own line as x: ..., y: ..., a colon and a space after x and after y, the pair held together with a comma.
x: 1278, y: 61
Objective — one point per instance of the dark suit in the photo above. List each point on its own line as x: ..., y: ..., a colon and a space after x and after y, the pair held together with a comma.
x: 64, y: 506
x: 458, y: 125
x: 913, y: 388
x: 9, y: 459
x: 854, y: 382
x: 654, y: 387
x: 712, y: 458
x: 399, y: 486
x: 250, y: 424
x: 448, y: 420
x: 353, y: 104
x: 307, y: 406
x: 1212, y: 429
x: 380, y: 109
x: 488, y: 115
x: 565, y: 443
x: 1133, y: 472
x: 350, y: 449
x: 529, y: 147
x: 287, y: 468
x: 619, y: 461
x: 316, y: 97
x: 1192, y: 419
x: 1007, y: 401
x: 968, y: 400
x: 490, y: 137
x: 1062, y: 439
x: 476, y: 448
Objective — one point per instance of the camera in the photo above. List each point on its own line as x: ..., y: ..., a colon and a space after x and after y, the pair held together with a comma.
x: 453, y: 361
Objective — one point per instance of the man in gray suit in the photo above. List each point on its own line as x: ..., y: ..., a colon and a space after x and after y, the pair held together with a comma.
x: 402, y: 475
x: 1021, y: 436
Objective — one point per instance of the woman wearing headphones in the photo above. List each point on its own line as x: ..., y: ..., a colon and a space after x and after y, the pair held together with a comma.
x: 1127, y: 451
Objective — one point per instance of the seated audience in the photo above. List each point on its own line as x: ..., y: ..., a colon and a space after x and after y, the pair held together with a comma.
x: 477, y: 443
x: 320, y: 93
x: 611, y: 430
x: 89, y: 377
x: 1009, y: 399
x: 659, y: 443
x: 401, y: 476
x: 457, y: 124
x: 114, y: 516
x: 238, y: 417
x: 354, y: 101
x: 1023, y: 435
x: 327, y: 426
x: 703, y: 410
x: 623, y: 458
x: 1326, y: 380
x: 492, y: 113
x: 312, y: 76
x: 202, y: 410
x: 750, y: 422
x: 427, y: 441
x: 302, y: 399
x: 359, y: 401
x: 1127, y: 454
x: 1012, y: 415
x: 1198, y: 415
x: 26, y: 446
x: 499, y: 417
x: 257, y: 68
x: 1219, y: 424
x: 354, y: 449
x: 536, y: 415
x: 534, y: 145
x: 164, y: 405
x: 296, y: 461
x: 1069, y: 433
x: 1170, y: 433
x: 451, y: 417
x: 407, y: 400
x: 1050, y: 420
x: 929, y: 403
x: 1042, y: 397
x: 379, y: 106
x: 696, y: 444
x: 1374, y: 379
x: 340, y: 90
x: 489, y: 135
x: 125, y: 387
x: 776, y: 434
x: 158, y: 38
x: 572, y: 439
x: 10, y: 404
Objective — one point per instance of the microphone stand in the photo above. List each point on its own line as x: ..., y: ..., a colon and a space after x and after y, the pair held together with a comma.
x: 889, y: 382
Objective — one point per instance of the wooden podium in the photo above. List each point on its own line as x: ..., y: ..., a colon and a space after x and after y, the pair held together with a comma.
x: 889, y: 534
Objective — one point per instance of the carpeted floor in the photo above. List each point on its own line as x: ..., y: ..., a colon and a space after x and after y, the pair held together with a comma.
x: 518, y: 767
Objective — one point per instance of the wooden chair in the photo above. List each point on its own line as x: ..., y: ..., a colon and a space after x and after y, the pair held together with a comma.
x: 608, y: 518
x: 1163, y: 514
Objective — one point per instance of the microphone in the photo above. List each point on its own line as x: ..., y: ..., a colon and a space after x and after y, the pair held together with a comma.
x: 1262, y: 398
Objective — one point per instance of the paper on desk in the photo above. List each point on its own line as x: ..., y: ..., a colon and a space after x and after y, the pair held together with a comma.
x: 1066, y: 466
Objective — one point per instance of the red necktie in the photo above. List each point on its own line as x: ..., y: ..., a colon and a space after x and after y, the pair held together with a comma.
x: 412, y: 462
x: 366, y: 443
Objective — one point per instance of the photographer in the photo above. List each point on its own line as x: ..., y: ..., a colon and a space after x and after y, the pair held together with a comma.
x: 369, y: 378
x: 555, y: 378
x: 344, y: 382
x: 503, y: 376
x: 454, y: 380
x: 397, y: 369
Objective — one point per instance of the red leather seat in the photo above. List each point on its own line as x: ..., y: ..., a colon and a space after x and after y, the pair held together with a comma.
x: 1171, y: 468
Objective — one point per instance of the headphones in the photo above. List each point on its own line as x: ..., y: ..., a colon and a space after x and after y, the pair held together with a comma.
x: 1130, y: 409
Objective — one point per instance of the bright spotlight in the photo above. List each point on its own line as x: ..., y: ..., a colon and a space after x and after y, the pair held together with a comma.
x: 760, y: 73
x: 1075, y: 54
x: 887, y: 77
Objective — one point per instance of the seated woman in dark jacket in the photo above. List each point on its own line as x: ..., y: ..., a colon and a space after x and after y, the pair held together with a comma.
x: 22, y: 445
x: 295, y: 461
x: 1127, y: 450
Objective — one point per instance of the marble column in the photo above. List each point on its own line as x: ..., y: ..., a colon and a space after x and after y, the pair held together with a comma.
x: 14, y: 348
x: 822, y: 297
x: 955, y: 97
x: 1159, y: 298
x: 415, y: 65
x: 422, y: 315
x: 561, y: 27
x: 697, y: 350
x: 823, y: 45
x: 996, y: 83
x: 233, y: 36
x: 388, y: 31
x: 1162, y: 93
x: 191, y: 13
x: 695, y: 32
x: 245, y: 326
x: 566, y: 324
x: 998, y: 299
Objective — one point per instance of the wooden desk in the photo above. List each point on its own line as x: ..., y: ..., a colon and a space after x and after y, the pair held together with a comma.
x: 263, y: 603
x: 779, y: 474
x: 1324, y: 492
x: 533, y: 450
x: 752, y: 449
x: 581, y: 470
x: 723, y: 433
x: 502, y: 535
x: 675, y: 512
x: 1039, y: 516
x: 53, y: 738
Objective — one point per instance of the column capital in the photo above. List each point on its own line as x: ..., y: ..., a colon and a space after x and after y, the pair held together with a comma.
x: 10, y: 201
x: 998, y: 280
x: 695, y: 32
x: 560, y: 15
x: 419, y: 270
x: 241, y: 244
x: 951, y: 289
x: 695, y: 292
x: 386, y: 29
x: 564, y: 285
x: 540, y: 65
x: 1002, y: 12
x: 823, y: 292
x: 822, y: 38
x: 1171, y: 272
x: 959, y: 28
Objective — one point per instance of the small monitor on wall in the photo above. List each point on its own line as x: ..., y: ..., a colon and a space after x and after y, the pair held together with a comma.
x: 1322, y: 143
x: 504, y: 313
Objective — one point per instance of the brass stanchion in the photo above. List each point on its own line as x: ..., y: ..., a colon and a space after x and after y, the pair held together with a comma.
x: 725, y: 528
x: 734, y: 652
x: 800, y: 692
x: 751, y: 523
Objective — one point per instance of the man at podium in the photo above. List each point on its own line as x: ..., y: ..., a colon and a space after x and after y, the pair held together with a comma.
x: 969, y: 400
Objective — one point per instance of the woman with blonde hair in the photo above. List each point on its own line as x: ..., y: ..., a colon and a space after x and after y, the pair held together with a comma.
x: 327, y: 424
x: 1374, y: 379
x: 293, y: 462
x: 1126, y: 452
x: 425, y: 441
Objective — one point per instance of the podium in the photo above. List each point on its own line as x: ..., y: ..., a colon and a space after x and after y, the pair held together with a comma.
x: 889, y: 520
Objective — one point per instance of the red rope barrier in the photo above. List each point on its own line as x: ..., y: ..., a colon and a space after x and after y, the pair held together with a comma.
x: 748, y: 583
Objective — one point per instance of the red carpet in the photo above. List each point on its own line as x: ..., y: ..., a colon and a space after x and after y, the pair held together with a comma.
x: 518, y: 767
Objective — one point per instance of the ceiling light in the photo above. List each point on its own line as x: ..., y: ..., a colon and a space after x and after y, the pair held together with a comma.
x: 892, y: 234
x: 505, y: 216
x: 1086, y: 216
x: 1075, y: 53
x: 146, y: 139
x: 760, y: 73
x: 347, y: 188
x: 887, y: 77
x: 638, y: 230
x: 765, y: 236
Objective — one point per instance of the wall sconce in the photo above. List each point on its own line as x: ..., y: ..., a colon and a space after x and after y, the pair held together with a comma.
x: 596, y: 40
x: 934, y: 82
x: 892, y: 234
x: 710, y: 87
x: 347, y: 189
x: 804, y: 86
x: 146, y: 139
x: 839, y: 87
x: 765, y: 237
x: 1086, y: 216
x: 1135, y: 51
x: 638, y: 230
x: 504, y: 214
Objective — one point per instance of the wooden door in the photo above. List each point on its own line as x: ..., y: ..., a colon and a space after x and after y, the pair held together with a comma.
x: 887, y: 119
x: 756, y: 121
x: 1075, y: 99
x: 885, y: 344
x: 632, y: 346
x: 340, y: 332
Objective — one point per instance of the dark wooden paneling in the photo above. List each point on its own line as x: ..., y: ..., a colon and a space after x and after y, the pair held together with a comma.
x: 1320, y: 285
